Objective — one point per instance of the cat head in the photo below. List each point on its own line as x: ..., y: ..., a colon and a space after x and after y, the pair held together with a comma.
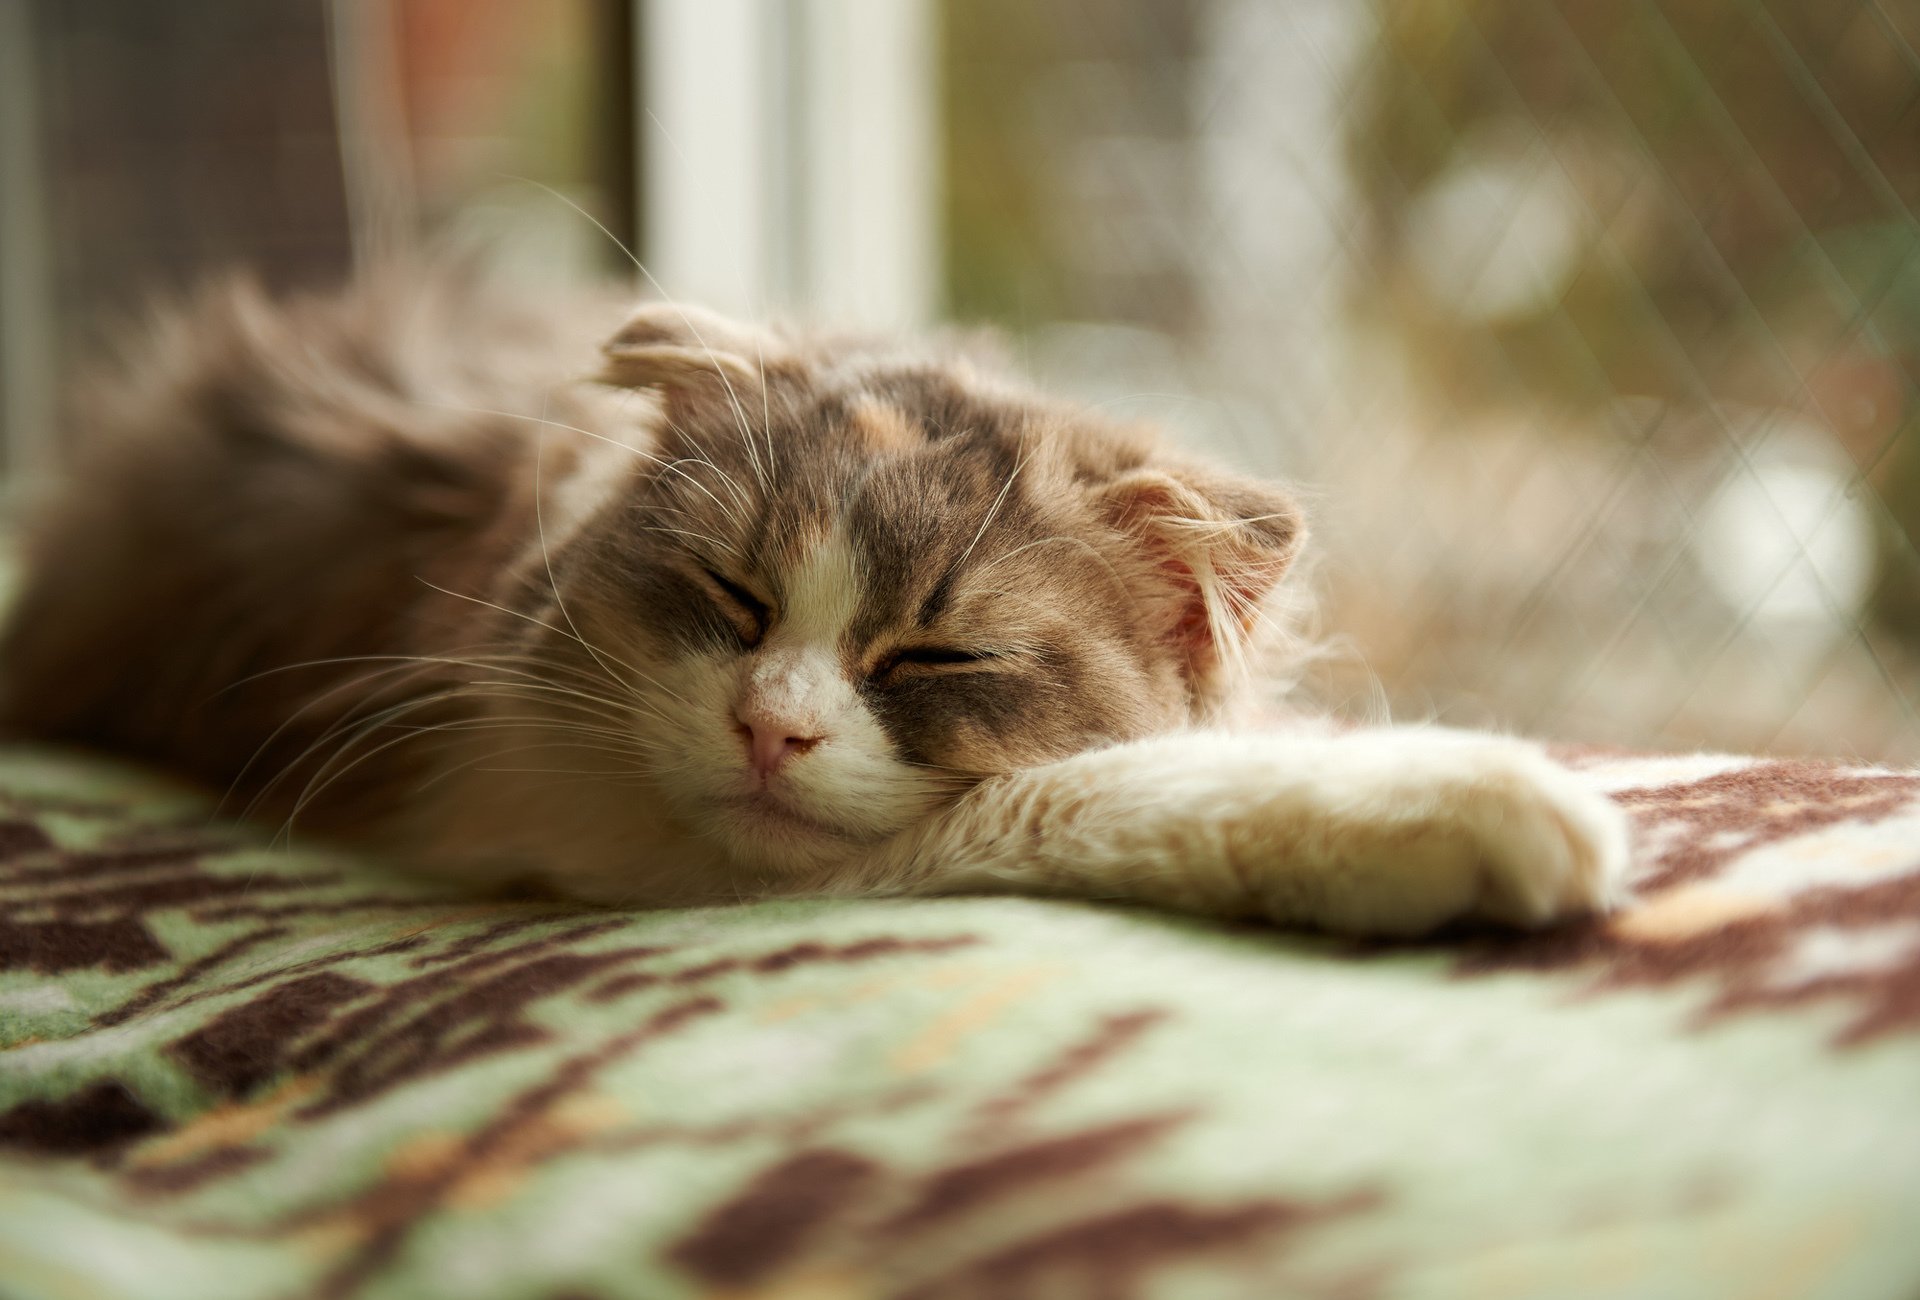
x: 845, y: 583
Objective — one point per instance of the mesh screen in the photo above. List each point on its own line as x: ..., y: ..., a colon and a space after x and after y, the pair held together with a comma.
x: 1592, y: 330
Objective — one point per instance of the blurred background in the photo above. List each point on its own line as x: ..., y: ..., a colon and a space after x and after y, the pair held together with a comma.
x: 1592, y: 330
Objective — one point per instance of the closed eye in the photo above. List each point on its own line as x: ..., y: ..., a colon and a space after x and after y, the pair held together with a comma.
x: 938, y: 655
x: 757, y: 611
x: 932, y: 656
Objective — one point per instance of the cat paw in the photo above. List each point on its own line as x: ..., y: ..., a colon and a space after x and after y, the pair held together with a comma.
x: 1547, y: 847
x: 1445, y: 826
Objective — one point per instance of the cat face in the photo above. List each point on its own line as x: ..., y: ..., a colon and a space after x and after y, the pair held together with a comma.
x: 844, y: 586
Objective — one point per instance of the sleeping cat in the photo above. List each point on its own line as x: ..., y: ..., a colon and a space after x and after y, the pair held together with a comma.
x: 746, y: 613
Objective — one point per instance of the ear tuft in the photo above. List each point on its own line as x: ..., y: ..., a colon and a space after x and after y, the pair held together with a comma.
x: 1223, y: 543
x: 670, y: 347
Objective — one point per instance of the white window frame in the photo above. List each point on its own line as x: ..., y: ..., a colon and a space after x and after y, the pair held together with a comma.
x: 789, y: 156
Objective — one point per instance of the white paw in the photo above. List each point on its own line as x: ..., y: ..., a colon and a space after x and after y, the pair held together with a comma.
x: 1437, y: 826
x: 1549, y: 848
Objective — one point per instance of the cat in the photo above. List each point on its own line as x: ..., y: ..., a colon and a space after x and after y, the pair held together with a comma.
x: 748, y: 612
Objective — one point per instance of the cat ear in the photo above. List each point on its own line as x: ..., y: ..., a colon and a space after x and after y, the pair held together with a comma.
x: 671, y: 347
x: 1222, y: 542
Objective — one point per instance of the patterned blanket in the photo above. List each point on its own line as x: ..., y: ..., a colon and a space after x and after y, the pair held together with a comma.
x: 227, y: 1070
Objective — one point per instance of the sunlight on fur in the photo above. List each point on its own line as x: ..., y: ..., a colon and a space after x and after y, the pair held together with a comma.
x: 751, y: 611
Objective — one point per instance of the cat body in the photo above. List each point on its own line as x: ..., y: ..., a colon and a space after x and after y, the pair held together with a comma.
x: 745, y: 613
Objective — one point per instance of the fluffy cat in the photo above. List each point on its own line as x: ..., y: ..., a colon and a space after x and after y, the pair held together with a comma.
x: 747, y: 613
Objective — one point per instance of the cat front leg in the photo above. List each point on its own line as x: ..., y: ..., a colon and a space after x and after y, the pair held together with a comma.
x: 1388, y: 832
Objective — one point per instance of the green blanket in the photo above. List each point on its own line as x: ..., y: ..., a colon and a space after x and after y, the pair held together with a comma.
x: 228, y: 1070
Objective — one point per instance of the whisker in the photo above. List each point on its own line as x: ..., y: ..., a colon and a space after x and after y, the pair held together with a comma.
x: 360, y: 730
x: 546, y: 560
x: 993, y: 510
x: 731, y: 483
x: 540, y: 623
x: 349, y: 730
x: 766, y: 402
x: 315, y: 702
x: 313, y: 791
x: 350, y: 721
x: 1084, y: 545
x: 733, y: 397
x: 458, y: 768
x: 696, y: 536
x: 569, y: 692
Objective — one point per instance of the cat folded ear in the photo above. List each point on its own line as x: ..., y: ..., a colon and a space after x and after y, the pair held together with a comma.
x: 670, y: 347
x: 1223, y: 544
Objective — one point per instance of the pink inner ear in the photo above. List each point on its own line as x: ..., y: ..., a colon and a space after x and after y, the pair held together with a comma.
x: 1244, y: 569
x: 1193, y: 632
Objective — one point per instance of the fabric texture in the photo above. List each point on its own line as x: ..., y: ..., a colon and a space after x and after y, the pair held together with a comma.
x: 231, y: 1070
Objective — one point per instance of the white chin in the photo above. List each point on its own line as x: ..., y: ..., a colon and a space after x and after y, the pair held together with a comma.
x: 766, y: 834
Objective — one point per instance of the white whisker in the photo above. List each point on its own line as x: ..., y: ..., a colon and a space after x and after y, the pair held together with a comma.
x: 993, y: 510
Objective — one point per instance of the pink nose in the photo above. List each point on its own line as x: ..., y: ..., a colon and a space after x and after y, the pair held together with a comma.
x: 770, y: 743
